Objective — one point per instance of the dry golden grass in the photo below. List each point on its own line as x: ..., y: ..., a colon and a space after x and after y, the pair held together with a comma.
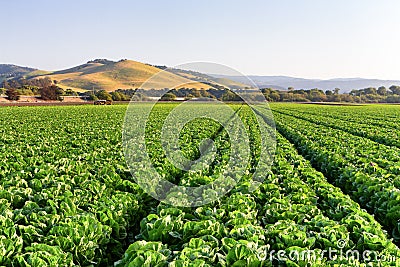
x: 119, y: 75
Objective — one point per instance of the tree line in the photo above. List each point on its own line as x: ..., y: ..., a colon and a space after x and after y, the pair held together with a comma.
x: 49, y: 90
x: 45, y: 87
x: 366, y: 95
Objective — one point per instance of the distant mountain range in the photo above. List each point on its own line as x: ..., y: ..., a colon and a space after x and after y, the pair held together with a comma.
x: 103, y: 74
x: 283, y: 82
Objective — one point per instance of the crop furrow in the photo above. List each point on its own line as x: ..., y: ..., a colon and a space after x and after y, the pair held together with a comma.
x: 381, y: 135
x: 377, y: 195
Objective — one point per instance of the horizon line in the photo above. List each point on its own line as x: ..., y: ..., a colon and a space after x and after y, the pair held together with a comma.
x: 248, y: 75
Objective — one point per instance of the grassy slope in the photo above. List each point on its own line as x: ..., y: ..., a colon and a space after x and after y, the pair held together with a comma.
x: 115, y: 75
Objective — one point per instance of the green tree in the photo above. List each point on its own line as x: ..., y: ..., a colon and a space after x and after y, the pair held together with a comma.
x: 337, y: 90
x: 12, y: 94
x: 5, y: 84
x: 70, y: 92
x: 168, y: 97
x: 52, y: 92
x: 204, y: 93
x: 274, y: 96
x: 92, y: 97
x: 230, y: 96
x: 195, y: 93
x: 370, y: 91
x: 395, y: 89
x: 104, y: 95
x: 382, y: 91
x: 189, y: 96
x: 347, y: 98
x: 317, y: 95
x: 116, y: 96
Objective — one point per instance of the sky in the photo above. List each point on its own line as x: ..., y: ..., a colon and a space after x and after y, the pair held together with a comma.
x: 300, y: 38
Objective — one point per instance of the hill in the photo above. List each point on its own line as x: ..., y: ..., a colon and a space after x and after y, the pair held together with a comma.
x: 110, y: 75
x: 283, y: 82
x: 102, y: 74
x: 9, y: 71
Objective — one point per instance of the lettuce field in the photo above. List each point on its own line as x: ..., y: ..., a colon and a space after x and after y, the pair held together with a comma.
x: 331, y: 196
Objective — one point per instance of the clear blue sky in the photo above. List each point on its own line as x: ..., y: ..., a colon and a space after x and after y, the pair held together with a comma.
x: 312, y: 39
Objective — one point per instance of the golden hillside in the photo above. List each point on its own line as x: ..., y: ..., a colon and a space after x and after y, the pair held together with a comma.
x: 124, y: 74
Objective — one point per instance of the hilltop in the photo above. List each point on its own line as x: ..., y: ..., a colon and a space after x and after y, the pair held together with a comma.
x: 102, y: 74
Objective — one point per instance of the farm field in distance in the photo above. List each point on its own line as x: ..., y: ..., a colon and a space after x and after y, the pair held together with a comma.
x: 67, y: 197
